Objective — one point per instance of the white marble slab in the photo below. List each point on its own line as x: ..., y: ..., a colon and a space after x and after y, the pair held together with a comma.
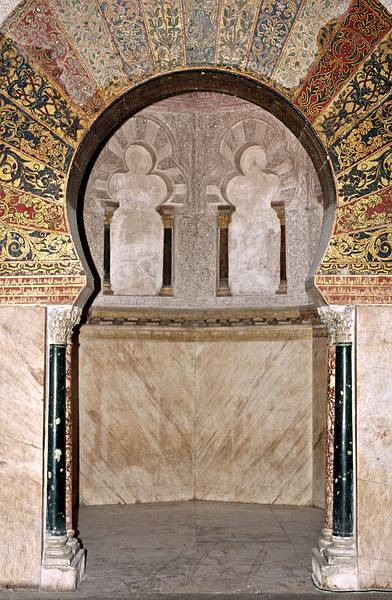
x: 22, y: 347
x: 374, y: 446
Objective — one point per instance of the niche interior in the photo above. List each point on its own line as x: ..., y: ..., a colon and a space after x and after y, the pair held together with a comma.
x: 202, y: 213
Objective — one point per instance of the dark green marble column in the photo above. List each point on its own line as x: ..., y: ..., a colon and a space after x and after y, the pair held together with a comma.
x: 55, y: 513
x: 343, y: 444
x: 106, y: 256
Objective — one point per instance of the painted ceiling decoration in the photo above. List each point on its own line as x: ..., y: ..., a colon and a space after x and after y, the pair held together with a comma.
x: 64, y: 61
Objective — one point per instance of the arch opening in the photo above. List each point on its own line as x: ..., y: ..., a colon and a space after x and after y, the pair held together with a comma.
x: 180, y: 82
x: 138, y: 349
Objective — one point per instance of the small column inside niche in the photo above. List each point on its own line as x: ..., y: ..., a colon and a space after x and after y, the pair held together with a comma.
x: 167, y: 216
x: 109, y: 208
x: 280, y: 211
x: 224, y: 219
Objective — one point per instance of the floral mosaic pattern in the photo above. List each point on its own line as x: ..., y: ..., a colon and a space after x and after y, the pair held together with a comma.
x: 41, y: 36
x: 361, y: 29
x: 21, y: 246
x: 165, y: 30
x: 353, y: 252
x: 200, y: 20
x: 236, y: 21
x: 63, y: 61
x: 25, y: 133
x: 273, y: 25
x: 302, y: 44
x: 19, y: 208
x: 29, y: 89
x: 371, y: 83
x: 126, y: 22
x: 85, y: 26
x: 25, y: 173
x: 365, y: 138
x: 369, y: 176
x: 366, y: 213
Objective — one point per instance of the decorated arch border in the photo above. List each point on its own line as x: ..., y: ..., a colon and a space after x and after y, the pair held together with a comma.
x: 65, y: 86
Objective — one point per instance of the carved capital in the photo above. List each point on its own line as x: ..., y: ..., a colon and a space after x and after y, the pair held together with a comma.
x: 109, y: 210
x: 60, y: 323
x: 339, y: 321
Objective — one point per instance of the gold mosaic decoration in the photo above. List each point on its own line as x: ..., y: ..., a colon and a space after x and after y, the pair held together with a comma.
x: 50, y: 94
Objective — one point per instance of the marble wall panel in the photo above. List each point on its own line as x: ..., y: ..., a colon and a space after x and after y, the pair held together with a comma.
x: 254, y: 421
x: 173, y: 417
x: 136, y: 426
x: 374, y: 446
x: 320, y: 390
x: 22, y: 345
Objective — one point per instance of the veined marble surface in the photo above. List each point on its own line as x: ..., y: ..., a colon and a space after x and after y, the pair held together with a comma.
x: 254, y: 421
x: 22, y: 347
x: 320, y: 390
x: 374, y: 446
x: 136, y: 426
x: 176, y: 419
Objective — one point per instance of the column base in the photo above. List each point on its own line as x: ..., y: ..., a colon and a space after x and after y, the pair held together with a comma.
x: 334, y: 564
x: 63, y: 564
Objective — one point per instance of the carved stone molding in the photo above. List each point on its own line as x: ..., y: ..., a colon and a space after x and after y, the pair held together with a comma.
x: 335, y: 565
x: 339, y: 321
x: 60, y: 323
x: 63, y: 564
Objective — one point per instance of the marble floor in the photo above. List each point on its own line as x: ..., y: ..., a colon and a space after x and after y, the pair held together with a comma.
x: 195, y: 550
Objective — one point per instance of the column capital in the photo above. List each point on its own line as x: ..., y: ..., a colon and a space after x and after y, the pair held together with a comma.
x: 60, y: 323
x: 339, y: 320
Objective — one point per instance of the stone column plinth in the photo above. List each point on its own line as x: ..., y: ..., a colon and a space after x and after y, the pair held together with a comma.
x: 63, y: 559
x: 335, y: 560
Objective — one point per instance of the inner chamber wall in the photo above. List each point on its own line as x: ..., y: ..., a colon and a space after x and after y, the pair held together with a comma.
x: 195, y: 393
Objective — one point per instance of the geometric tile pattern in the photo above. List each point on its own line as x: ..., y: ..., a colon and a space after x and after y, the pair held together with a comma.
x: 63, y: 61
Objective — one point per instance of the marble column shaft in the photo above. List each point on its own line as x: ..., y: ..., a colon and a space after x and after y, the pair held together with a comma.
x: 61, y: 321
x: 343, y: 442
x: 55, y: 487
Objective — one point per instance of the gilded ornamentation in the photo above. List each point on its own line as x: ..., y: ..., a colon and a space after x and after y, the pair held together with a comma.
x: 126, y: 22
x: 38, y: 30
x: 359, y: 252
x: 61, y: 322
x: 367, y: 177
x: 36, y: 251
x: 165, y: 29
x: 236, y: 22
x: 272, y: 28
x: 29, y: 175
x: 62, y: 61
x: 87, y: 28
x: 365, y: 138
x: 370, y: 84
x: 24, y: 133
x: 304, y: 41
x: 24, y: 209
x: 365, y: 24
x: 368, y: 212
x: 33, y: 92
x: 200, y: 30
